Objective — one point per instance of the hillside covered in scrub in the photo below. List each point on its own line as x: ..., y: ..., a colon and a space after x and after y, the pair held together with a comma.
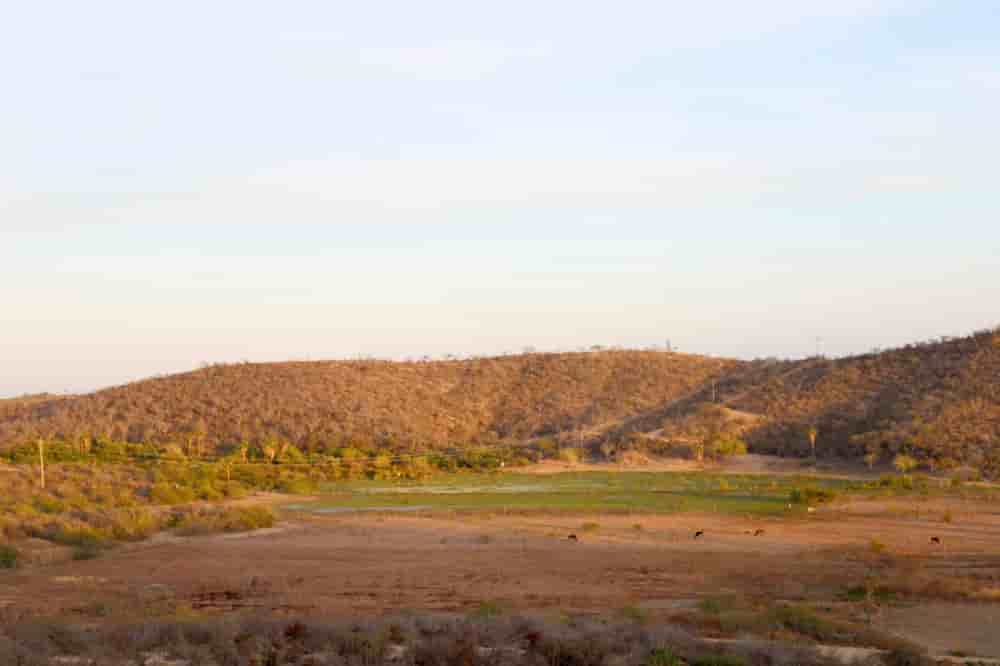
x: 938, y: 402
x: 368, y: 404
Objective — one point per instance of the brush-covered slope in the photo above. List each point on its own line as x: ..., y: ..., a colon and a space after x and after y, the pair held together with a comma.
x: 375, y: 403
x: 939, y: 402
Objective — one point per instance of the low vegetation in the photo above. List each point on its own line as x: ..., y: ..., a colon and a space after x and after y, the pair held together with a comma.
x: 486, y: 639
x: 9, y: 556
x: 366, y: 405
x: 587, y: 493
x: 91, y: 508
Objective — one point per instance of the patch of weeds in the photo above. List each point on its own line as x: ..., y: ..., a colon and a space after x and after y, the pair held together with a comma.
x: 80, y: 538
x: 880, y: 593
x: 637, y: 527
x: 876, y: 546
x: 664, y: 657
x: 811, y: 495
x: 96, y: 609
x: 134, y: 525
x: 240, y: 519
x: 716, y: 605
x: 88, y: 551
x: 590, y: 527
x: 803, y: 621
x: 9, y: 557
x: 49, y: 505
x: 634, y: 614
x: 488, y: 609
x: 295, y: 486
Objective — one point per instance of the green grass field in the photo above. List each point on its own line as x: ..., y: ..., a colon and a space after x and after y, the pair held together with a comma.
x: 583, y: 492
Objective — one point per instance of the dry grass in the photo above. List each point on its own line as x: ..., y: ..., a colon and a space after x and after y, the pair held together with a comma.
x: 411, y: 638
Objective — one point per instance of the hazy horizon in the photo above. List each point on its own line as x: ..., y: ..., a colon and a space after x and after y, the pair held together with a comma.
x: 209, y: 183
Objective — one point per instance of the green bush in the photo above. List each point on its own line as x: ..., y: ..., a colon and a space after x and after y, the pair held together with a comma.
x: 663, y: 657
x: 135, y: 525
x: 295, y: 486
x: 9, y: 557
x: 488, y: 609
x: 811, y: 495
x: 723, y: 446
x: 49, y: 505
x: 80, y: 537
x: 634, y: 614
x: 571, y: 456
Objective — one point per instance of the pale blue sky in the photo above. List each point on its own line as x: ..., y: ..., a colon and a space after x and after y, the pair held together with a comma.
x: 213, y: 181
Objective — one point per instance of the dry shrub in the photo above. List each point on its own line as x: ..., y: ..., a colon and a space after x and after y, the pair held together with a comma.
x: 230, y: 519
x: 425, y: 640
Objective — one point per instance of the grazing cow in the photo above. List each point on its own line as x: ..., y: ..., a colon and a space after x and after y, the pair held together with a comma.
x: 699, y: 533
x: 758, y: 532
x: 572, y: 537
x: 936, y: 540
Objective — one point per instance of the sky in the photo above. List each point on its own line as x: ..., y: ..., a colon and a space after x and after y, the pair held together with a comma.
x: 194, y: 182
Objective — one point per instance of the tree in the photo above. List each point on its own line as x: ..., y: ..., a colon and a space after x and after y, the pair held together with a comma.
x: 812, y: 432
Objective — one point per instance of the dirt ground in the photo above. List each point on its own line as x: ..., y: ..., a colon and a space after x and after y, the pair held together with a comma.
x: 948, y: 627
x: 373, y: 563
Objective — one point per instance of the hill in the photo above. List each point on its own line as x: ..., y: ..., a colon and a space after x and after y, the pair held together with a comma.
x: 938, y: 402
x: 369, y: 404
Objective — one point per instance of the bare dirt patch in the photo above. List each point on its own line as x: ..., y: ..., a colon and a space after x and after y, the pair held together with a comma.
x: 967, y: 628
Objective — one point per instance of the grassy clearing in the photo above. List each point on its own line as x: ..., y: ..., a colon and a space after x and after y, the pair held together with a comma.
x: 585, y: 492
x: 620, y: 493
